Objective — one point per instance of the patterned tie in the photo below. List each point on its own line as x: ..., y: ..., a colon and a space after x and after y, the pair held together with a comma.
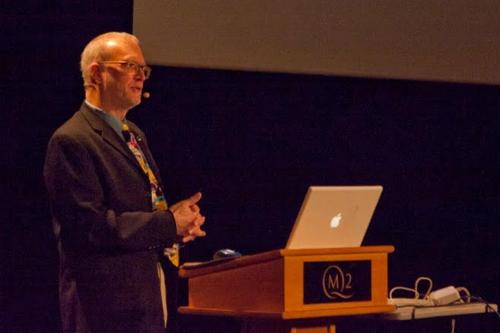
x: 157, y: 196
x: 159, y: 203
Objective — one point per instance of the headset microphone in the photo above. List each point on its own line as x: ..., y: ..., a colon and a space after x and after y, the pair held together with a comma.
x: 146, y: 94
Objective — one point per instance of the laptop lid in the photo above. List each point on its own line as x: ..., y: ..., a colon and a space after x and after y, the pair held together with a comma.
x: 334, y: 216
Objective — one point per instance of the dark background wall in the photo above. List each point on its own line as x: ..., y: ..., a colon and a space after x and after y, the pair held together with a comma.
x: 252, y: 143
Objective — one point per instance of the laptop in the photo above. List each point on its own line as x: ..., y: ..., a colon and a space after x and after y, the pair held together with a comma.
x: 334, y: 216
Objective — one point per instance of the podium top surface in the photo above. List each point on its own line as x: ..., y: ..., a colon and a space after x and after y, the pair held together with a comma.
x: 196, y: 269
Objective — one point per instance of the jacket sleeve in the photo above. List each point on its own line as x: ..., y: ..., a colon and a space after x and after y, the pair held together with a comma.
x: 79, y: 205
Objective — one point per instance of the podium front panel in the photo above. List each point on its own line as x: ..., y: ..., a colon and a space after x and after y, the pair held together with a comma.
x: 344, y: 281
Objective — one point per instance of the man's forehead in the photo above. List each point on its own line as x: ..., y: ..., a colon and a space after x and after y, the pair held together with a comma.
x: 112, y: 43
x: 119, y: 44
x: 123, y: 48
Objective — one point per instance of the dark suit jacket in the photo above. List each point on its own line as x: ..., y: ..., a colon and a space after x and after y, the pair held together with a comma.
x: 109, y: 239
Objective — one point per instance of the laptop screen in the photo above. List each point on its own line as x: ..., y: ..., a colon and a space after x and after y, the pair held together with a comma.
x: 334, y: 216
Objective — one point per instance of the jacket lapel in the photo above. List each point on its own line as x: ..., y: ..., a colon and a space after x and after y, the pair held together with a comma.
x: 109, y: 135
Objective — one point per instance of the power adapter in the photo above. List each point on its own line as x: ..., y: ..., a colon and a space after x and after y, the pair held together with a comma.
x: 445, y: 296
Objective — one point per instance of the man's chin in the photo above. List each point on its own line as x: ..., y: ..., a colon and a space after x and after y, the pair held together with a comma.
x: 138, y: 99
x: 135, y: 101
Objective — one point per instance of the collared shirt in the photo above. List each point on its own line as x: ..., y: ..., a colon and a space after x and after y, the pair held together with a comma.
x: 115, y: 124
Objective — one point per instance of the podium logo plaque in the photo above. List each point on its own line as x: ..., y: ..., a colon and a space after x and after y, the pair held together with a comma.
x: 335, y: 282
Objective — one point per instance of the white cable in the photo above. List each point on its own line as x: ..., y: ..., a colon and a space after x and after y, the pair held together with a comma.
x: 429, y: 289
x: 405, y: 289
x: 466, y: 292
x: 415, y: 291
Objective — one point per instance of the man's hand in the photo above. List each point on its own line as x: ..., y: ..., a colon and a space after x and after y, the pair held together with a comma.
x: 188, y: 218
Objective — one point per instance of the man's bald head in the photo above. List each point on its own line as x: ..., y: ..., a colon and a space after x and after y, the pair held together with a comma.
x: 101, y: 49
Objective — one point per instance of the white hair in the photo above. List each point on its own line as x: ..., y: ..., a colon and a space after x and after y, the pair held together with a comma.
x: 96, y: 51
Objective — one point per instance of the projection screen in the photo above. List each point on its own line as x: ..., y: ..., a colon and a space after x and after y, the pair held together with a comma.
x: 457, y: 41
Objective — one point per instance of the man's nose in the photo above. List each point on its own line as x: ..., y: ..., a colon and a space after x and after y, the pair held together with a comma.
x: 139, y: 75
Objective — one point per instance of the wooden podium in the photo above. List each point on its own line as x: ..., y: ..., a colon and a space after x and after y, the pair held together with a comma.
x: 292, y: 291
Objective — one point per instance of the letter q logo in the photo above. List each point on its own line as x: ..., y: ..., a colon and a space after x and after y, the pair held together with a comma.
x: 336, y: 283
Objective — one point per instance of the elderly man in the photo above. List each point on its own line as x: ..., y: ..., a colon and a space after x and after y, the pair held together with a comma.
x: 109, y: 212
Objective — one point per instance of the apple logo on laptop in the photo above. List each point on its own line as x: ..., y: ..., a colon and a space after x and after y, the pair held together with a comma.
x: 335, y: 221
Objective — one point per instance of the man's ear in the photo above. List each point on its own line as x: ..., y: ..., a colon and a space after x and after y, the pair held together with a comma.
x: 96, y: 73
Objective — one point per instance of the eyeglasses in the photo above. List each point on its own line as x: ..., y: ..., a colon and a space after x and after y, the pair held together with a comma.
x: 132, y: 67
